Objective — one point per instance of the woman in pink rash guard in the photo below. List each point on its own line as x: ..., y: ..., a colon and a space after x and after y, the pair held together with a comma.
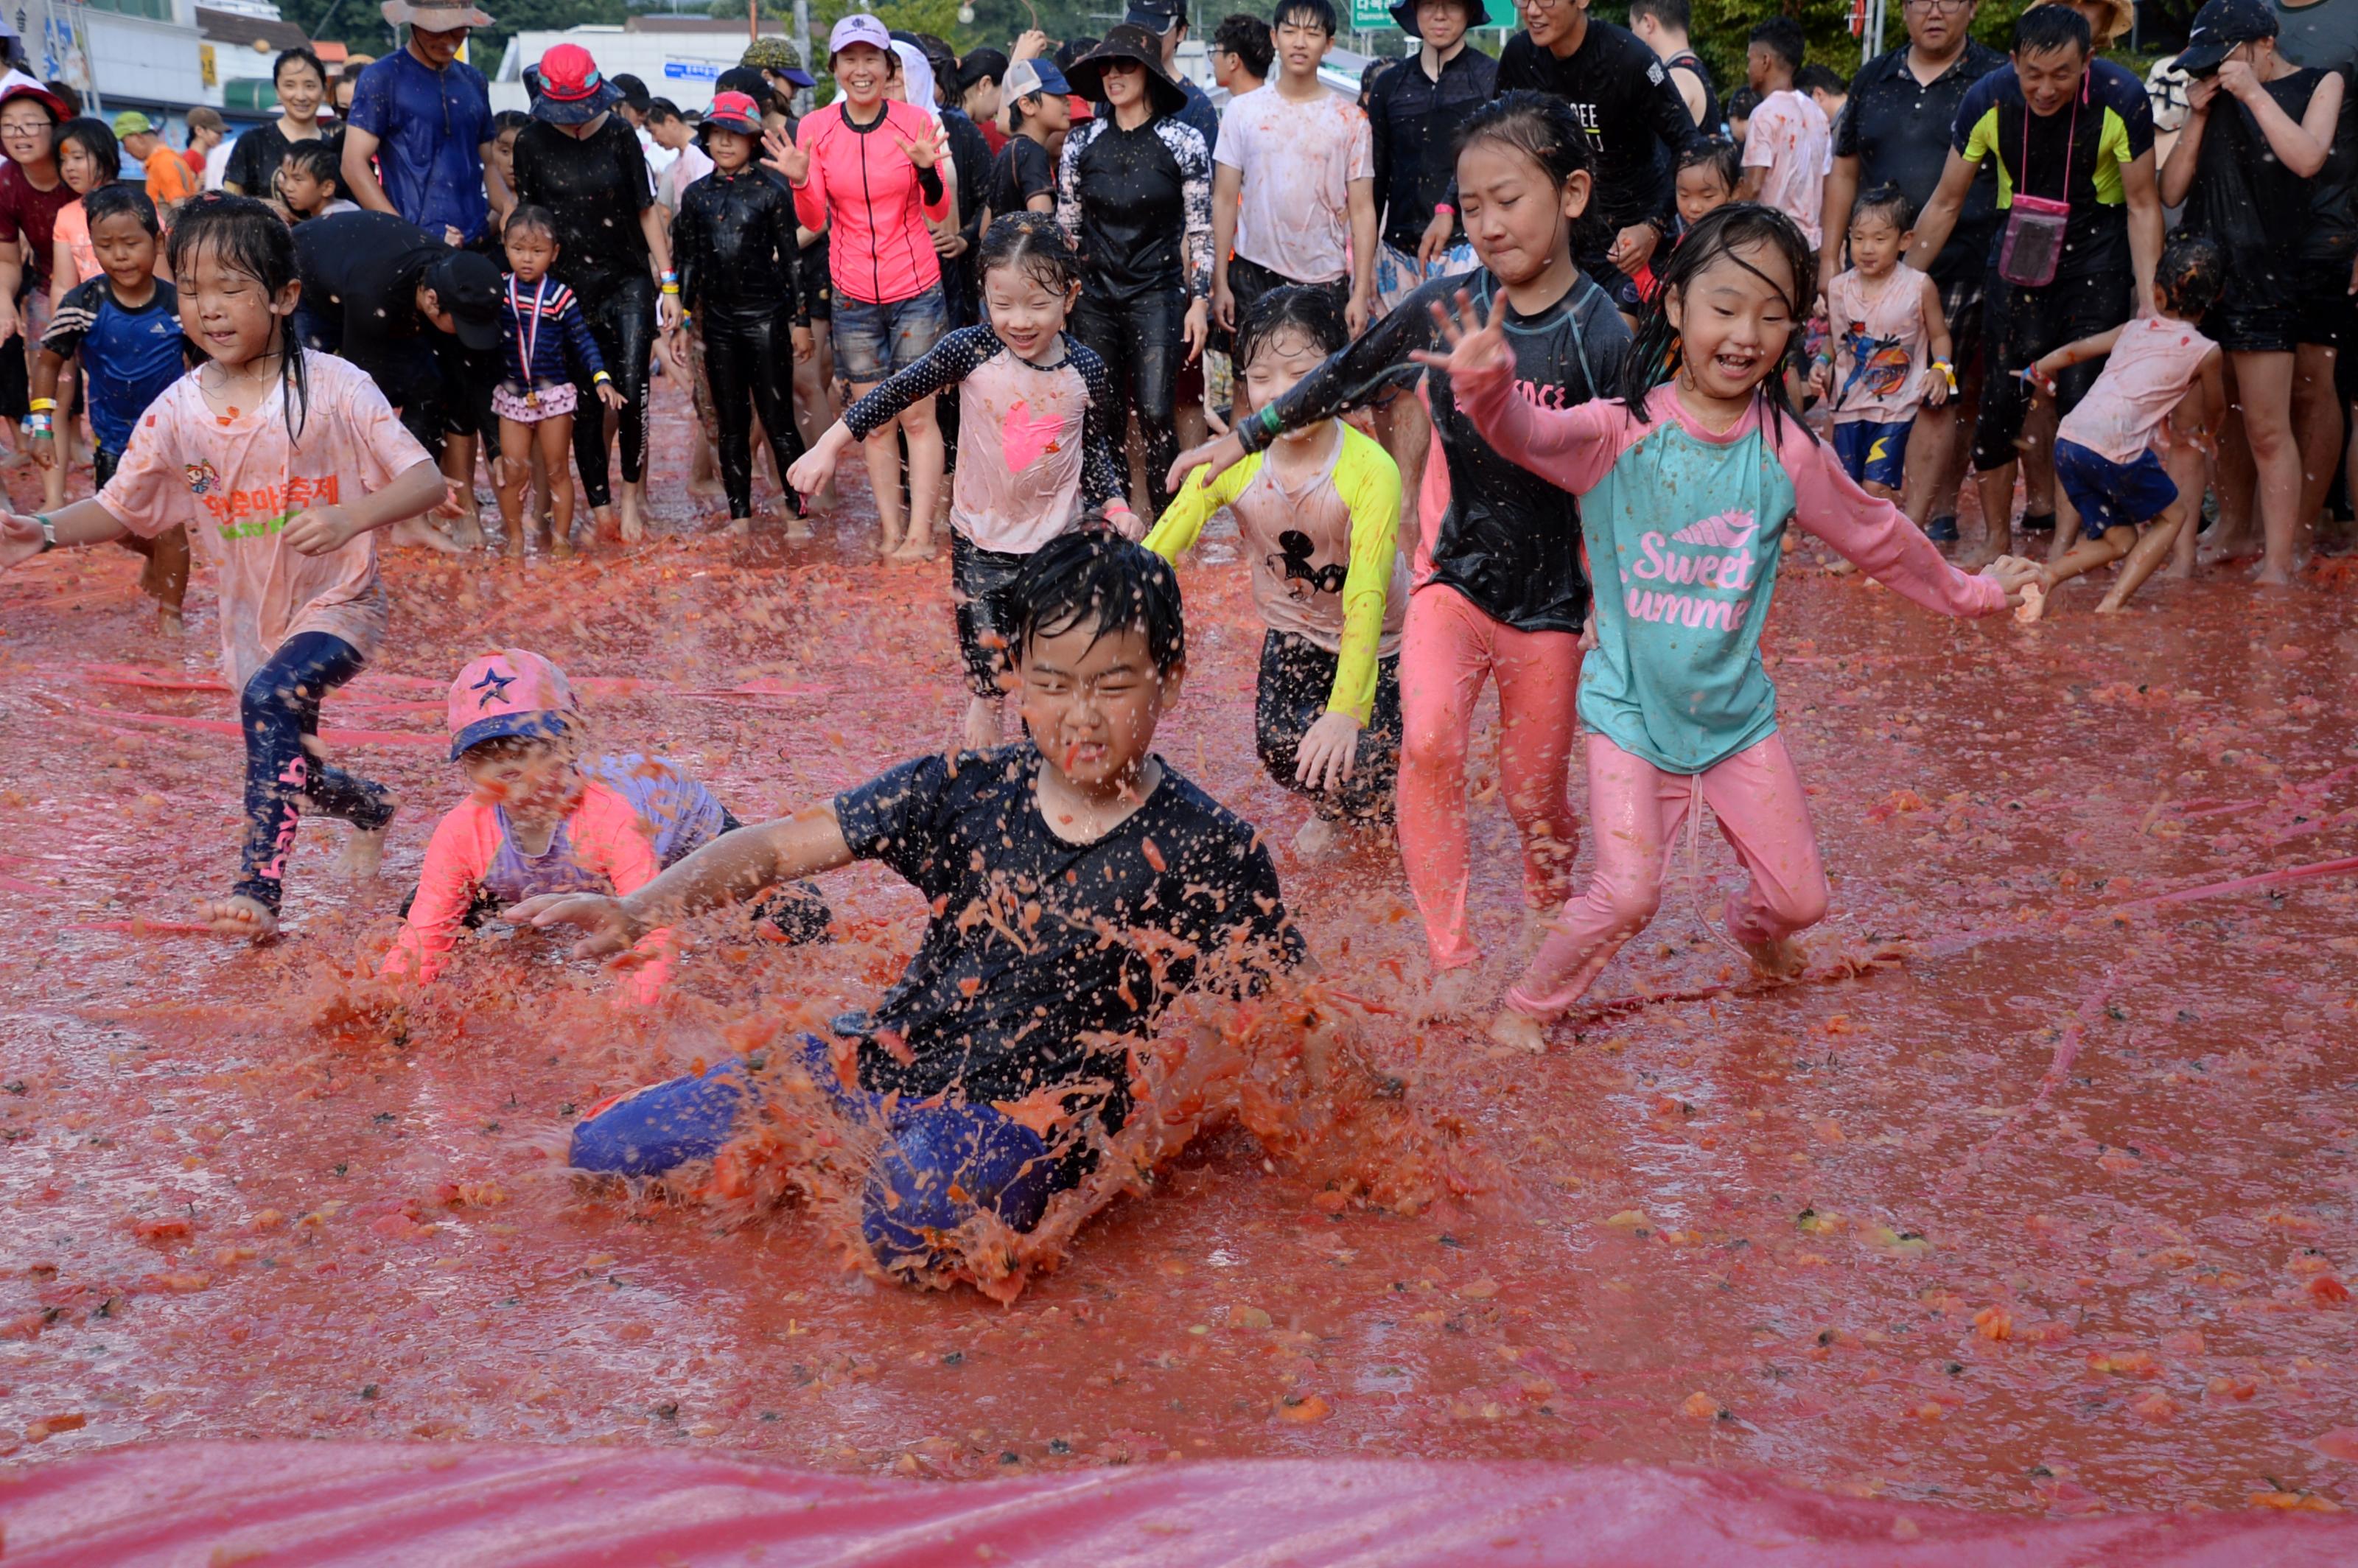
x: 868, y: 171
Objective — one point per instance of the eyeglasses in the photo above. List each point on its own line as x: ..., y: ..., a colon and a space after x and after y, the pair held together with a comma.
x: 1528, y: 7
x: 1939, y: 5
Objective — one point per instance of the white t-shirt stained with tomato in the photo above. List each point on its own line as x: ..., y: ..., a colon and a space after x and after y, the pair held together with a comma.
x: 1297, y: 161
x: 237, y: 481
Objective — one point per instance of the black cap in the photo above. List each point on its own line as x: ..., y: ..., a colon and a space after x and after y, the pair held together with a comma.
x: 2221, y: 26
x: 634, y: 91
x: 981, y: 65
x: 1157, y: 17
x: 467, y: 284
x: 747, y: 80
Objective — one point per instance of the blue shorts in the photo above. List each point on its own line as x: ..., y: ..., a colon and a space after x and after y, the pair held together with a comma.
x: 872, y: 341
x: 936, y: 1163
x: 2108, y: 494
x: 1872, y: 453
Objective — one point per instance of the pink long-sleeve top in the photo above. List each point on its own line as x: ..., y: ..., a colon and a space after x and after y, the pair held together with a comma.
x: 864, y: 192
x: 601, y: 846
x: 1689, y: 524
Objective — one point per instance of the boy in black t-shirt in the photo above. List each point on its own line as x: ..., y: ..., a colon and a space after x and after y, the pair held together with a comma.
x: 1023, y: 176
x: 1078, y: 886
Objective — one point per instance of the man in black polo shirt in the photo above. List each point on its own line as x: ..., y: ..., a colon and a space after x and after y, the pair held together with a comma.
x: 1896, y: 132
x: 1637, y: 126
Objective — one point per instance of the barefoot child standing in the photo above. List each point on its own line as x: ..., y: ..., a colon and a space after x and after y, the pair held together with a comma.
x: 1886, y: 349
x: 1687, y: 481
x: 281, y: 463
x: 1319, y: 511
x: 545, y: 342
x: 124, y: 327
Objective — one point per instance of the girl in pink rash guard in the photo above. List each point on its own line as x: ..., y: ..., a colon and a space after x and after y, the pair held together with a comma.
x: 548, y: 816
x: 1686, y: 484
x: 868, y: 172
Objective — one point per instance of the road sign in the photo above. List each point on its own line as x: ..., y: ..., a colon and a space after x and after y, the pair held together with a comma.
x: 1369, y: 14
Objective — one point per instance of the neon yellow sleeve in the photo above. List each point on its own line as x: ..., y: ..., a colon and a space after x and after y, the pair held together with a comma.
x: 1982, y: 140
x: 1370, y: 485
x: 1181, y: 522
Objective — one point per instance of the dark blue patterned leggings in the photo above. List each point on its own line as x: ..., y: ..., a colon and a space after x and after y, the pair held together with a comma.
x: 284, y: 772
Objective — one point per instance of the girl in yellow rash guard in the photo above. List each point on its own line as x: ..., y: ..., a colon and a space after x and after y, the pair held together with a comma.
x: 1319, y: 516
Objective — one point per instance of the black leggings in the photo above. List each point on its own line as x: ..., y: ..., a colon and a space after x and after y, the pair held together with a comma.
x: 749, y: 362
x: 1140, y: 341
x: 622, y: 313
x: 1296, y: 677
x: 284, y: 773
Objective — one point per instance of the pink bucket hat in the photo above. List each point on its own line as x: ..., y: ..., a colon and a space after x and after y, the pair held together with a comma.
x: 512, y: 692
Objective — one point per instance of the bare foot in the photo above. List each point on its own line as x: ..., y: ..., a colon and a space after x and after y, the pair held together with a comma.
x: 467, y: 530
x: 238, y: 916
x: 1451, y: 993
x: 981, y: 723
x: 1781, y: 959
x: 2270, y: 575
x: 709, y: 485
x: 364, y: 853
x: 1520, y: 1030
x: 742, y: 527
x: 913, y: 552
x: 1991, y: 546
x: 799, y: 529
x: 561, y: 544
x: 2111, y: 605
x: 418, y: 531
x: 1319, y: 840
x: 635, y: 523
x: 168, y: 619
x: 2176, y: 572
x: 601, y: 526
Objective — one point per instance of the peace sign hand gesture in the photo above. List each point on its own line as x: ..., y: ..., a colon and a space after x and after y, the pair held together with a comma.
x: 789, y: 162
x: 1476, y: 354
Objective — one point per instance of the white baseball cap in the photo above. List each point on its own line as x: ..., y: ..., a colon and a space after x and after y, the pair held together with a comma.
x: 858, y: 29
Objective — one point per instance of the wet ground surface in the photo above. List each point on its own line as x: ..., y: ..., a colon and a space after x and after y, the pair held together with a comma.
x: 2052, y: 1214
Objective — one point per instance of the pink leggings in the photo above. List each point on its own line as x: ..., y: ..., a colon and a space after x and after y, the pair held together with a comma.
x: 1636, y: 810
x: 1447, y: 650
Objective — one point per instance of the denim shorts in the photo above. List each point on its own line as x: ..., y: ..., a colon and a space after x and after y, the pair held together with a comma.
x: 872, y: 341
x: 2109, y: 495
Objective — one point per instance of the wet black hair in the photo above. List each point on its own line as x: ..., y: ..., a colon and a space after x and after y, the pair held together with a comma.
x: 246, y: 236
x: 298, y: 55
x: 1248, y: 39
x: 1890, y: 201
x: 1304, y: 13
x: 318, y: 158
x: 1743, y: 103
x: 113, y: 201
x: 1099, y: 579
x: 1782, y: 37
x: 1072, y: 49
x: 510, y: 120
x: 1541, y: 127
x: 2190, y: 276
x: 1673, y: 14
x: 1312, y: 312
x: 1717, y: 154
x: 662, y: 111
x: 93, y: 136
x: 1717, y: 236
x: 1816, y: 78
x: 1372, y: 72
x: 1033, y: 242
x: 2048, y: 29
x: 525, y: 218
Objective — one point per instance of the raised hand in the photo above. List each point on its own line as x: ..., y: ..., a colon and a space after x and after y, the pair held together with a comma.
x: 1473, y: 351
x: 784, y: 159
x: 924, y: 154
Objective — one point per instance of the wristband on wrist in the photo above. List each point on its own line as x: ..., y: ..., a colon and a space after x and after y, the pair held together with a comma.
x: 1444, y: 209
x: 1948, y: 371
x: 49, y: 530
x: 599, y: 378
x: 42, y: 404
x: 669, y: 275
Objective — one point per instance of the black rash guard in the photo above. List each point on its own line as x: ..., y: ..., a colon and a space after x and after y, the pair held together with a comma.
x: 734, y: 247
x: 1510, y: 541
x: 1416, y: 121
x: 1637, y: 122
x: 1139, y: 205
x: 597, y: 186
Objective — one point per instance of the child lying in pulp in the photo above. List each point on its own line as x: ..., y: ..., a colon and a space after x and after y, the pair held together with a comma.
x: 1319, y: 511
x: 546, y: 819
x: 1078, y: 884
x: 1686, y: 484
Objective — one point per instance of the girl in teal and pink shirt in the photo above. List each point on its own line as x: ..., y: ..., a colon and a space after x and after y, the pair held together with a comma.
x: 1686, y: 484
